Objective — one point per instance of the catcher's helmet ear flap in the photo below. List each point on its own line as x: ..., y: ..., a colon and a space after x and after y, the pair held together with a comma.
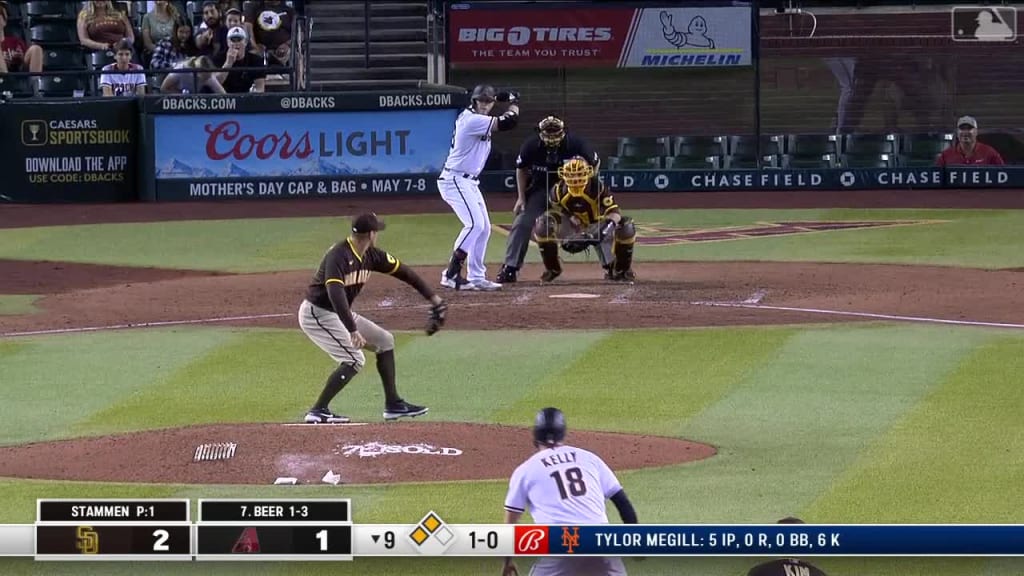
x: 482, y: 93
x: 551, y: 130
x: 549, y: 426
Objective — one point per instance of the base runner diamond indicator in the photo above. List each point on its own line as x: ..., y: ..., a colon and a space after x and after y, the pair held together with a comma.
x: 431, y: 536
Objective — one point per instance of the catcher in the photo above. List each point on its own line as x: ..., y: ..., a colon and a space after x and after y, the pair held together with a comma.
x: 582, y: 213
x: 325, y: 316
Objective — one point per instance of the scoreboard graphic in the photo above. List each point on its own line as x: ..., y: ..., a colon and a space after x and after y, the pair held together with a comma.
x: 241, y: 530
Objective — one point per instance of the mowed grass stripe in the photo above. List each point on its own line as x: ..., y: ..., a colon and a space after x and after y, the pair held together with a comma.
x: 471, y: 376
x: 259, y: 375
x: 796, y: 423
x: 51, y: 384
x: 11, y: 304
x: 648, y: 381
x: 955, y: 458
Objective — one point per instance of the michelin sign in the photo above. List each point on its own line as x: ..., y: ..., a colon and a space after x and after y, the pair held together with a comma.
x: 689, y: 38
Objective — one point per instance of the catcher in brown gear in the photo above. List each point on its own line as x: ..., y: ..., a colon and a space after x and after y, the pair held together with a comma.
x: 582, y: 213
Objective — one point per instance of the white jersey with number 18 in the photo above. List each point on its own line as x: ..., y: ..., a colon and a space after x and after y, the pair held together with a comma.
x: 471, y: 143
x: 562, y: 485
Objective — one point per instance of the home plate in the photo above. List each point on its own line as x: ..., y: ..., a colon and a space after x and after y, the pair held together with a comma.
x: 575, y: 295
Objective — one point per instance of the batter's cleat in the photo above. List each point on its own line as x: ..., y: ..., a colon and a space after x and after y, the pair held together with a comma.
x: 624, y: 276
x: 483, y: 285
x: 507, y: 275
x: 403, y: 410
x: 321, y: 416
x: 550, y: 275
x: 457, y: 283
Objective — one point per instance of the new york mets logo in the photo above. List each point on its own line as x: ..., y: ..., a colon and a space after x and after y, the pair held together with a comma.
x: 570, y: 539
x: 531, y: 540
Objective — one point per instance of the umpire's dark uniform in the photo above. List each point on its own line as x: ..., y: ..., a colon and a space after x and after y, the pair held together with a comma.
x: 540, y: 163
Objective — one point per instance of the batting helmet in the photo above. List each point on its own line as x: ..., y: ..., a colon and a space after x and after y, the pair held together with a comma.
x: 549, y: 427
x: 483, y: 93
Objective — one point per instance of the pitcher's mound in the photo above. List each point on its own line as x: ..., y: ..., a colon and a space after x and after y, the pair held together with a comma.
x: 367, y: 453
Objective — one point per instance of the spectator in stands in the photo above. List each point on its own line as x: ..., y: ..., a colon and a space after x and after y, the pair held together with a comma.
x: 188, y: 82
x: 159, y: 24
x: 123, y: 77
x: 967, y: 150
x: 269, y: 23
x: 786, y: 566
x: 15, y: 54
x: 238, y: 55
x: 211, y: 37
x: 232, y: 18
x: 101, y: 26
x: 170, y: 51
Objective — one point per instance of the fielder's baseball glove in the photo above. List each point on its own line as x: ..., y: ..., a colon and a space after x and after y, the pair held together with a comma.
x: 435, y: 320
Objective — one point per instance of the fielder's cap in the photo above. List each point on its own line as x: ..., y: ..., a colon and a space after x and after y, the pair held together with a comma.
x: 237, y: 33
x: 366, y: 223
x: 969, y: 120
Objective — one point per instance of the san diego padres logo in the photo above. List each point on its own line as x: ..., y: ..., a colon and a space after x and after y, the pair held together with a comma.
x: 570, y: 539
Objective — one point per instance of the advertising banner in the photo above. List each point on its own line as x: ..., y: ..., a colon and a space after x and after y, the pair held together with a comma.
x: 310, y: 102
x: 558, y: 35
x: 69, y: 152
x: 233, y: 146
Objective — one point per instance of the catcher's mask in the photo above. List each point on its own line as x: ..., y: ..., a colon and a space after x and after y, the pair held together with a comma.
x: 549, y: 427
x: 552, y: 131
x: 576, y: 173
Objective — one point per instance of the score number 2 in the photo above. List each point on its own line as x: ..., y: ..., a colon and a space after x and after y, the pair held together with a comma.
x: 160, y: 543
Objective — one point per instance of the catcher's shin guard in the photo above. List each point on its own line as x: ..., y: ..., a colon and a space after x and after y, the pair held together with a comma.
x: 625, y: 238
x: 549, y: 255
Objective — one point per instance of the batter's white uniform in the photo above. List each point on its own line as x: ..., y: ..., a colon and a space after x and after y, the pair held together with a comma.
x: 565, y: 485
x: 460, y: 187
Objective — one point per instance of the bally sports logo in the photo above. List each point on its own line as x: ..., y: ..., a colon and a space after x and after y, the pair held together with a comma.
x: 523, y: 35
x: 531, y: 540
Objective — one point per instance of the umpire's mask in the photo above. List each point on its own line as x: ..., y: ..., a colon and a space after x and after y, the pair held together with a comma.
x: 552, y: 131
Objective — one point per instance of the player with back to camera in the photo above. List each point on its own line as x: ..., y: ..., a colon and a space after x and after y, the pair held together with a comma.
x: 583, y: 213
x: 540, y: 157
x: 326, y: 317
x: 786, y: 566
x: 562, y: 484
x: 459, y: 184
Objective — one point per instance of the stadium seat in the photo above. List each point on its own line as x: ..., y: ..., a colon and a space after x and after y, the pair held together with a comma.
x: 61, y: 86
x: 698, y: 146
x: 742, y: 152
x: 100, y: 58
x: 690, y: 162
x: 53, y: 33
x: 643, y: 147
x: 14, y: 15
x: 19, y: 87
x: 69, y: 58
x: 634, y: 163
x: 863, y: 144
x: 866, y: 160
x: 51, y: 9
x: 922, y: 149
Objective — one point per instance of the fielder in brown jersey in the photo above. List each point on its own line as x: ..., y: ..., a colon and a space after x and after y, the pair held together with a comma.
x: 582, y: 212
x: 326, y: 317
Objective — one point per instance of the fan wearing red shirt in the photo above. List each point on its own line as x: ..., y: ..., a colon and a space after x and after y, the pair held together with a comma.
x: 968, y: 151
x: 15, y: 55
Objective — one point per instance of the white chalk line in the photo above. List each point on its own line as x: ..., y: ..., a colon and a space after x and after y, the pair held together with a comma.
x: 861, y: 314
x: 142, y: 325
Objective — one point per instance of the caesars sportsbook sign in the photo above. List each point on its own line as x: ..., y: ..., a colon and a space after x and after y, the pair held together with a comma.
x: 483, y: 35
x: 68, y: 152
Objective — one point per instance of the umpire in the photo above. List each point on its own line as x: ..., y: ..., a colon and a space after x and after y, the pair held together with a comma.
x: 536, y: 172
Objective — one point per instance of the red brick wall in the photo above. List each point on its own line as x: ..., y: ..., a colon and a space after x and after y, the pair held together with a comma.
x: 906, y: 84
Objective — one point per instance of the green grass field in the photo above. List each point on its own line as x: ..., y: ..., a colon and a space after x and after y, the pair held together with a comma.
x: 865, y: 423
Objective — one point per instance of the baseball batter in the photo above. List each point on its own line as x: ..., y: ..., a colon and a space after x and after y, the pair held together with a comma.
x: 562, y: 484
x: 326, y: 317
x: 459, y: 184
x: 584, y: 213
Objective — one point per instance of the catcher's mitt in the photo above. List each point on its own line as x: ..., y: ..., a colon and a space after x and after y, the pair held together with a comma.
x: 435, y: 320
